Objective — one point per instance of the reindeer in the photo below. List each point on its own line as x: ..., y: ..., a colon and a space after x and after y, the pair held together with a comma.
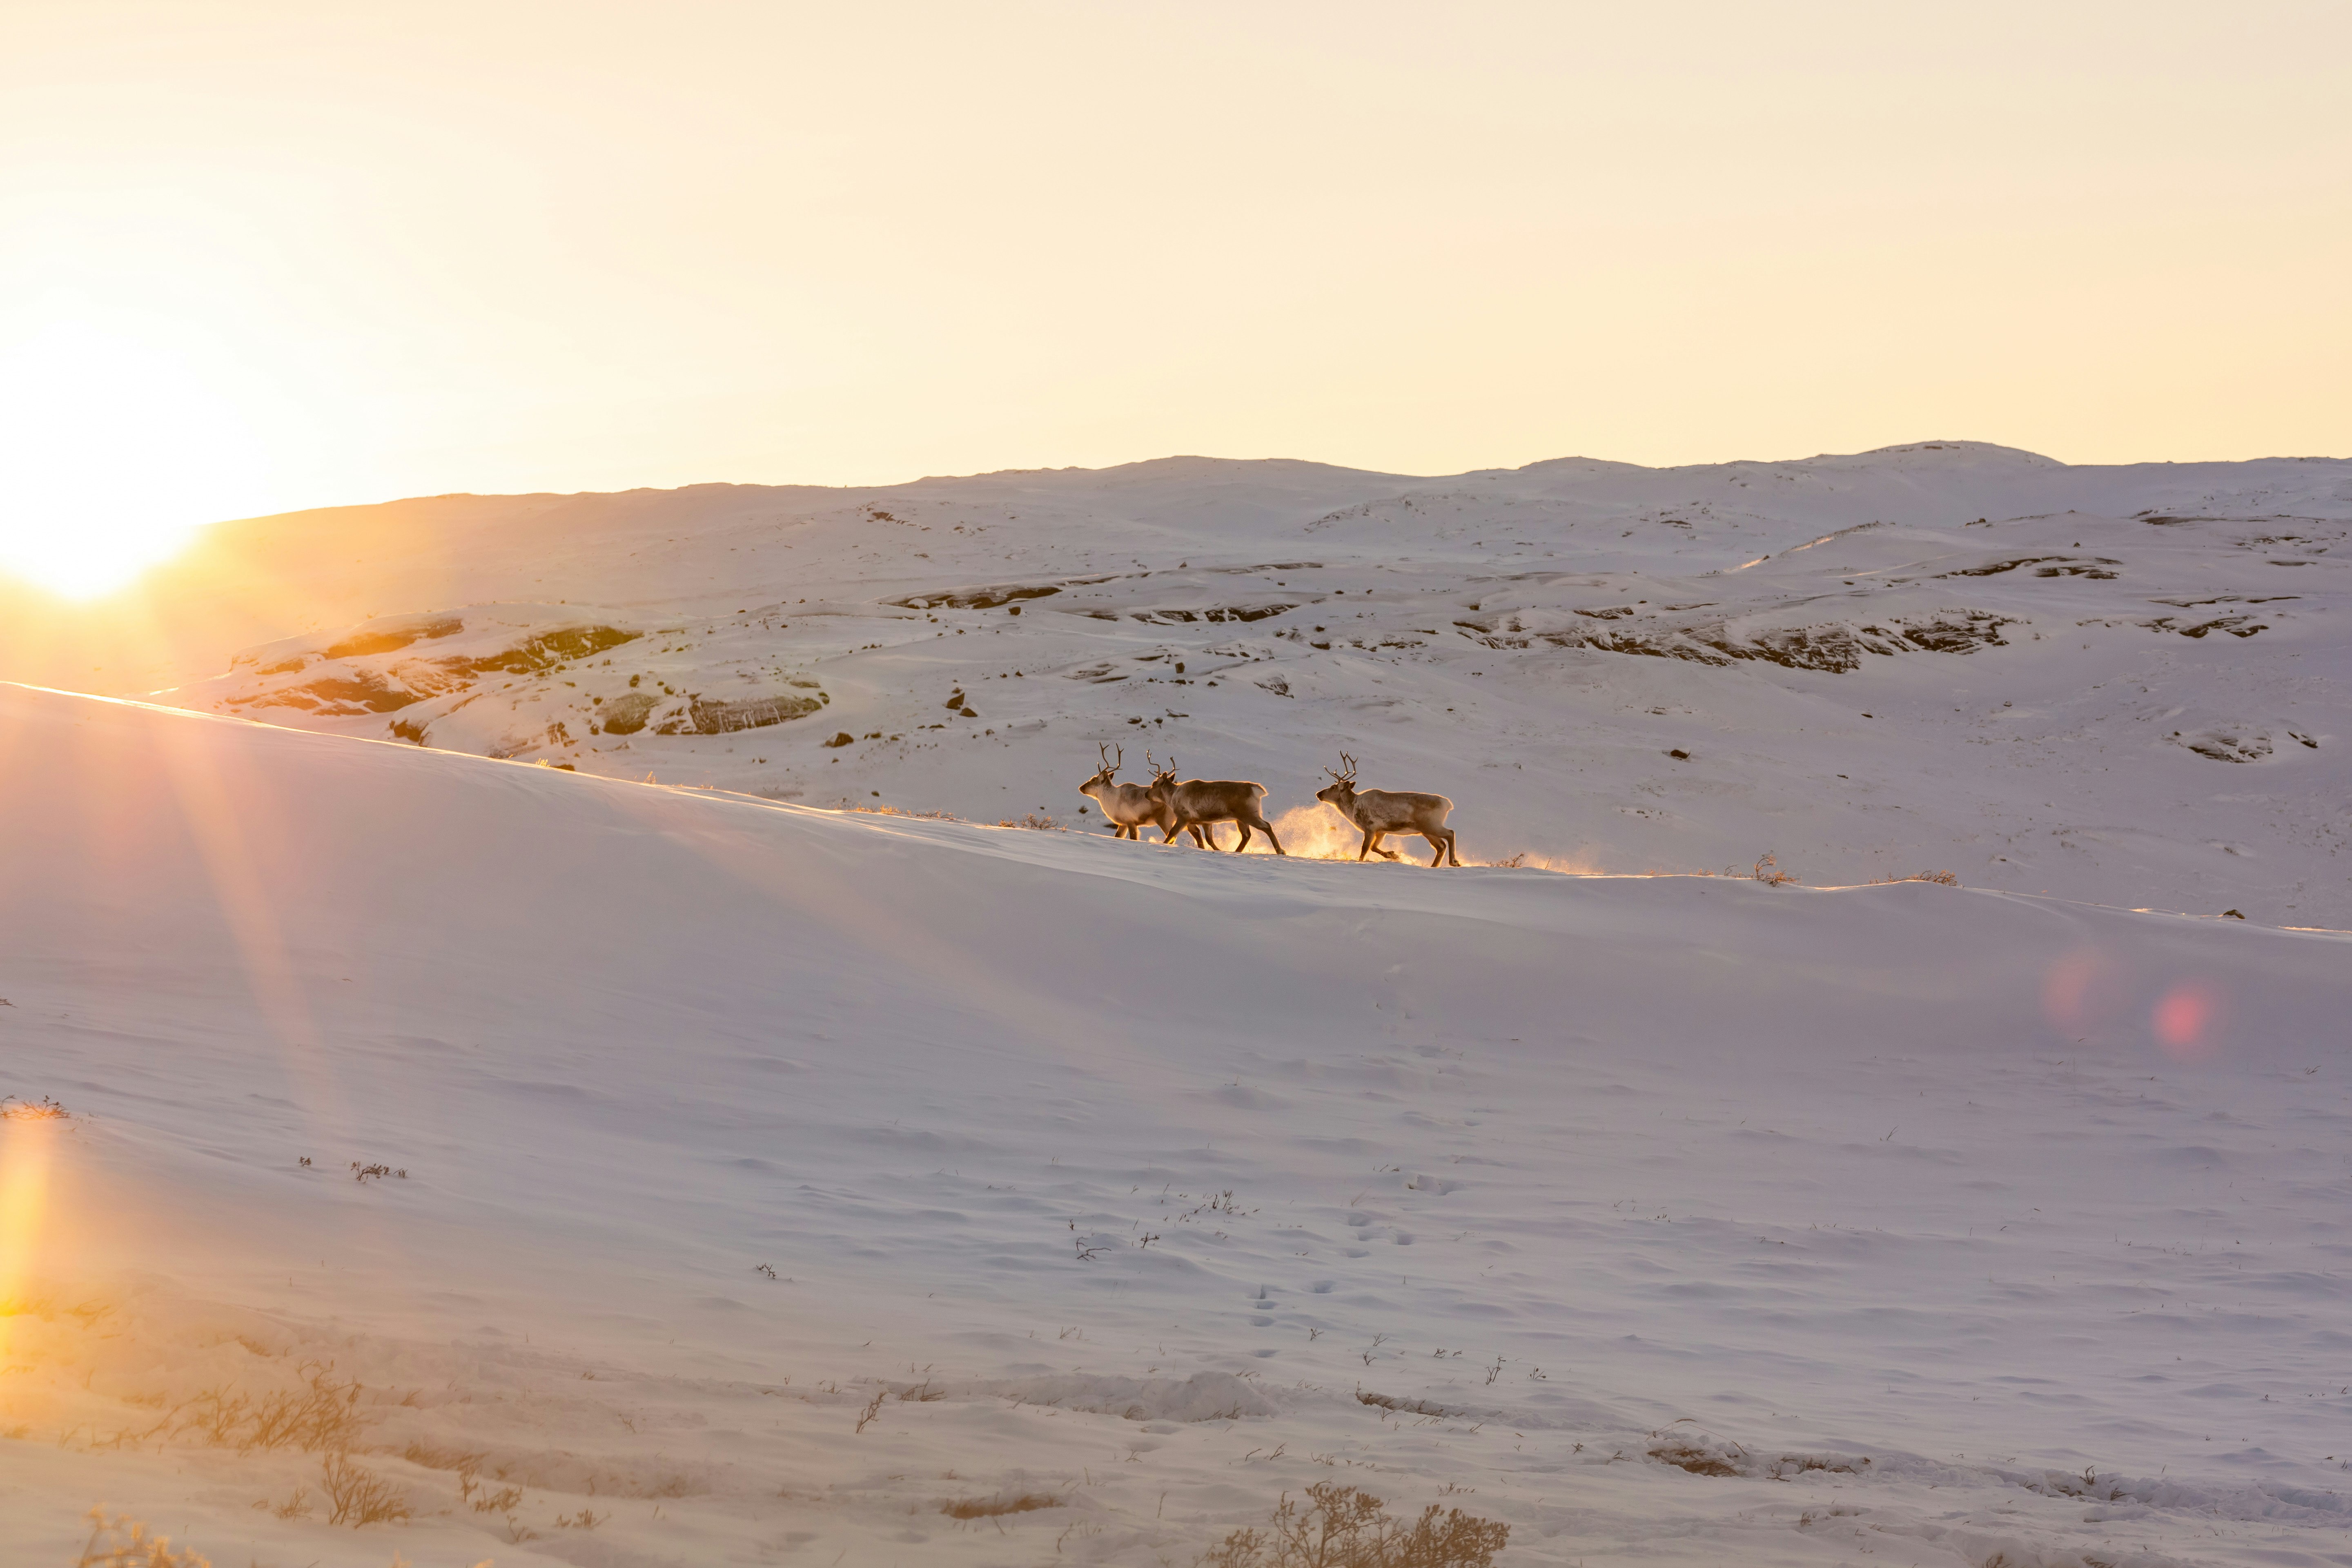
x: 1203, y: 803
x: 1128, y: 807
x: 1383, y: 811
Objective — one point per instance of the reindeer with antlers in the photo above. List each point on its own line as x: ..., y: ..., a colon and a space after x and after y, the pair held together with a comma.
x: 1384, y: 811
x: 1203, y: 803
x: 1130, y: 807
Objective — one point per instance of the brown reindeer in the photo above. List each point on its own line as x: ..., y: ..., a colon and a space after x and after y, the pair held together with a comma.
x: 1384, y: 811
x: 1203, y: 803
x: 1128, y: 807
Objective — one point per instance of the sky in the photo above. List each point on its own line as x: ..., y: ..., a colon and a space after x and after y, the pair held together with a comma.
x: 262, y: 256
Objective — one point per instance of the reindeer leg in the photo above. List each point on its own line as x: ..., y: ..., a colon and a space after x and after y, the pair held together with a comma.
x: 1242, y: 823
x: 1450, y: 857
x: 1436, y: 848
x: 1371, y: 842
x: 1263, y: 826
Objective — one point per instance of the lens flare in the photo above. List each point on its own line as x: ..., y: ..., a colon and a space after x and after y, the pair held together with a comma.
x: 2184, y: 1020
x: 24, y: 1202
x: 2082, y: 991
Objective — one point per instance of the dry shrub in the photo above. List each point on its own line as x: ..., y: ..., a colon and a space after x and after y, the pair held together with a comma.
x: 1767, y: 871
x: 1033, y: 820
x: 322, y: 1417
x: 1342, y: 1527
x: 44, y: 1109
x: 991, y: 1507
x: 358, y: 1497
x: 123, y: 1542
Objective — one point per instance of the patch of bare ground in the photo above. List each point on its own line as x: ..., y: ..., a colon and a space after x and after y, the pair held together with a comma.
x: 992, y: 1507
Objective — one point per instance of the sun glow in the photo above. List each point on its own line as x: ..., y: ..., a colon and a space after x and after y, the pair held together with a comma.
x: 114, y: 447
x: 24, y: 1188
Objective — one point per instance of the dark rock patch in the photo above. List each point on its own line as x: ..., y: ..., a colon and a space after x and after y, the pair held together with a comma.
x: 972, y: 599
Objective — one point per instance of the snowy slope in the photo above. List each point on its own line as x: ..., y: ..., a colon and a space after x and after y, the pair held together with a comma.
x: 2126, y: 685
x: 1685, y: 1219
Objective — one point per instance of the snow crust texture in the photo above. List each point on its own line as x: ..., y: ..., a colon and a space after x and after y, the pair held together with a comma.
x: 614, y: 1173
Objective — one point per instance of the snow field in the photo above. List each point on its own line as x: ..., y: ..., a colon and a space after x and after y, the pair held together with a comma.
x: 1653, y: 1206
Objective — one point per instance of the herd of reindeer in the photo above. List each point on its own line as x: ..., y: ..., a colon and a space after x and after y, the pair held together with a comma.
x: 1197, y: 806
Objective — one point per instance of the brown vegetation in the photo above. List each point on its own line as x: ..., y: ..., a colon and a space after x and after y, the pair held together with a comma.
x: 991, y: 1507
x: 1342, y: 1527
x: 123, y: 1542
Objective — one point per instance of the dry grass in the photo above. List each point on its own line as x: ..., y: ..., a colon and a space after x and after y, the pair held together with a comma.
x: 1342, y: 1527
x: 359, y: 1497
x: 1033, y: 820
x: 991, y: 1507
x: 322, y: 1417
x: 1409, y: 1406
x: 121, y: 1542
x: 44, y: 1109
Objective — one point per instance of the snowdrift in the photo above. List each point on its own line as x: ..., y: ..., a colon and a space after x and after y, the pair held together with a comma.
x: 758, y: 1179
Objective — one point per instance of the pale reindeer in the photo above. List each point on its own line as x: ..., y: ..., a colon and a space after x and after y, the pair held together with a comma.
x: 1128, y: 807
x: 1380, y: 812
x: 1204, y: 802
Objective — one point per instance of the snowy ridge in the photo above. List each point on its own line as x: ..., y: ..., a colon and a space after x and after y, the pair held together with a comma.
x: 2119, y: 684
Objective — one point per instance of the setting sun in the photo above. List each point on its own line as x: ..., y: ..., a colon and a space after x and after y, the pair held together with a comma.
x: 116, y: 446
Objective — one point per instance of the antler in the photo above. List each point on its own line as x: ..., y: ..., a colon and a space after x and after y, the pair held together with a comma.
x: 1109, y: 765
x: 1159, y: 771
x: 1348, y: 777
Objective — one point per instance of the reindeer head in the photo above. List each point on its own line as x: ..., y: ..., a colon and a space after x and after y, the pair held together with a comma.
x: 1109, y: 770
x: 1343, y: 787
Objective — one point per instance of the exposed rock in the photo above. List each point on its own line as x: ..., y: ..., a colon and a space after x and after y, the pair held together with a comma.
x: 335, y: 696
x: 1833, y: 646
x: 1214, y: 612
x: 708, y: 718
x: 971, y: 598
x: 391, y: 639
x: 625, y: 714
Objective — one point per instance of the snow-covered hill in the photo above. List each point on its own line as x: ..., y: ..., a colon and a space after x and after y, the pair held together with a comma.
x: 568, y: 1147
x: 2125, y: 685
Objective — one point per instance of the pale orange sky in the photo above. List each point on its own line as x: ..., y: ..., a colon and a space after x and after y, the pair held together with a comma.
x: 260, y: 256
